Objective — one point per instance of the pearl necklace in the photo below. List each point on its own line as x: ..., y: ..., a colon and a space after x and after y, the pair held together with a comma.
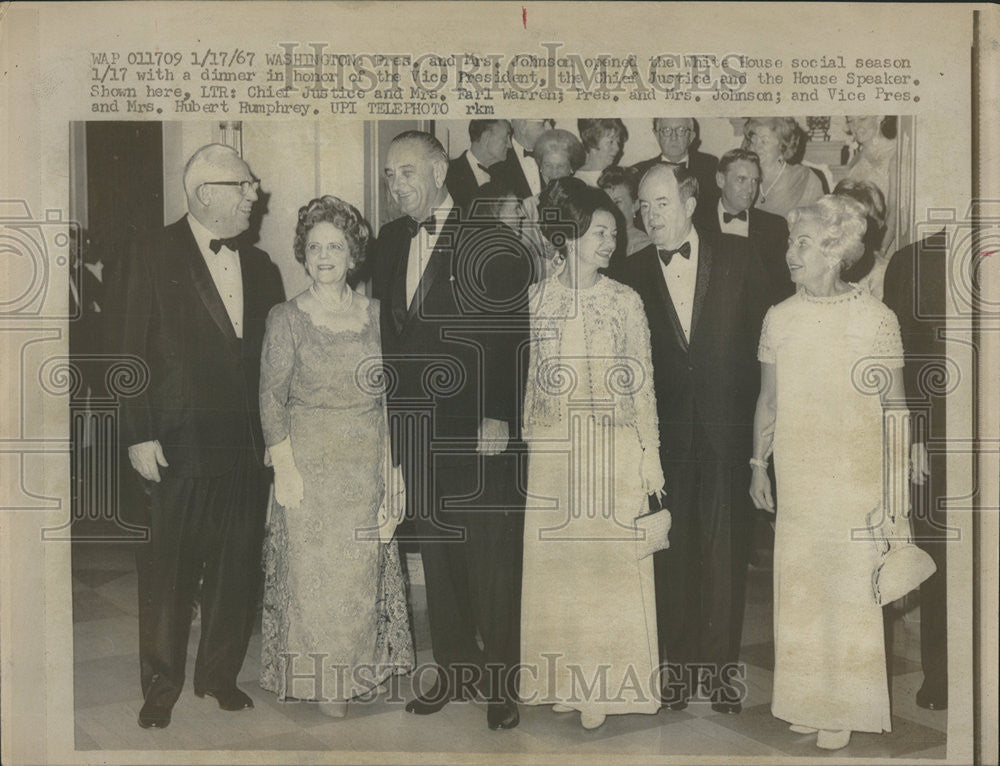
x: 335, y: 308
x: 763, y: 194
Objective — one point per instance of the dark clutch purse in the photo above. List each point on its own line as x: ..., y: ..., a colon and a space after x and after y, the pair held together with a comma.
x: 652, y: 529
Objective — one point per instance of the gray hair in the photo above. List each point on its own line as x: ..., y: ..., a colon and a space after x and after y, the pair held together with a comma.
x: 202, y: 164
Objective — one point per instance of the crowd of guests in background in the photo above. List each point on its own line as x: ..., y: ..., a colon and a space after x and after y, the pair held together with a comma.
x: 549, y: 343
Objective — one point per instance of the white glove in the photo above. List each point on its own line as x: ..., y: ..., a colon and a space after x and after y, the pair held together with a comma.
x: 288, y: 489
x: 147, y: 458
x: 393, y: 507
x: 651, y: 473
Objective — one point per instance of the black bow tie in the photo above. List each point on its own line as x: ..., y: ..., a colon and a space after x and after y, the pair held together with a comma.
x: 217, y: 244
x: 529, y: 154
x: 667, y: 255
x: 727, y: 217
x: 674, y: 164
x: 428, y: 223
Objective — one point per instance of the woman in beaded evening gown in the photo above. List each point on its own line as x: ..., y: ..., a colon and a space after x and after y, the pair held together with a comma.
x: 826, y: 354
x: 588, y: 617
x: 332, y: 588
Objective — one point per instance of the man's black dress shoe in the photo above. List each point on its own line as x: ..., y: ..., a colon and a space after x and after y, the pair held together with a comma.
x: 930, y: 701
x: 228, y: 699
x: 678, y: 703
x: 729, y: 708
x: 434, y: 700
x: 154, y: 716
x: 502, y: 715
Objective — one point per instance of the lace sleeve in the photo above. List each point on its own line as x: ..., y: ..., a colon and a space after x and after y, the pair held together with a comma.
x: 276, y: 363
x: 888, y: 343
x: 532, y: 380
x: 765, y: 350
x: 637, y: 341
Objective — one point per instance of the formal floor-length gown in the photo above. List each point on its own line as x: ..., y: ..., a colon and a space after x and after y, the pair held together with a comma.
x: 830, y: 355
x: 588, y: 615
x: 332, y: 589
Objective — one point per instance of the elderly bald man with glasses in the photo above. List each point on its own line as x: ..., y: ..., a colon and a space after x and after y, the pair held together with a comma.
x: 678, y: 140
x: 190, y: 302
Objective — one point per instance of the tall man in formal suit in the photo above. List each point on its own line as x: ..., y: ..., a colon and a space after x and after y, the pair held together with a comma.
x: 519, y: 170
x: 191, y: 304
x: 677, y: 137
x: 454, y: 321
x: 916, y: 289
x: 738, y: 180
x: 471, y: 169
x: 705, y: 299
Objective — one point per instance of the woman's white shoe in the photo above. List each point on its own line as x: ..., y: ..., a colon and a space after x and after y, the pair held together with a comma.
x: 336, y: 709
x: 591, y: 720
x: 799, y: 729
x: 559, y: 708
x: 832, y: 740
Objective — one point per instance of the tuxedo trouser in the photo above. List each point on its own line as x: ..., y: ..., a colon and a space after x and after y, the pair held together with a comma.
x: 473, y: 577
x: 208, y: 529
x: 701, y: 577
x: 929, y: 533
x: 929, y: 530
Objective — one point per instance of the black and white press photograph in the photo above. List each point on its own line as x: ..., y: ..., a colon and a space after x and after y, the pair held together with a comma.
x: 536, y: 436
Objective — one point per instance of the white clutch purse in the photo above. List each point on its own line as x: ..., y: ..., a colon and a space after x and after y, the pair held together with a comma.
x: 652, y: 529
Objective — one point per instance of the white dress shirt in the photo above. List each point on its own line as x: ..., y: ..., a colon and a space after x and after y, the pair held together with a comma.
x: 528, y: 166
x: 224, y: 266
x: 681, y: 275
x: 421, y: 248
x: 735, y: 226
x: 481, y: 175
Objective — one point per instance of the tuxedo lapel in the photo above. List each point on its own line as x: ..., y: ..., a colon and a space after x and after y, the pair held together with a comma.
x: 701, y: 281
x: 202, y: 280
x: 655, y: 277
x: 400, y: 254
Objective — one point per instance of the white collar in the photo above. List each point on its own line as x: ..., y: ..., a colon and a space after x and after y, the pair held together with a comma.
x: 202, y: 236
x: 685, y: 160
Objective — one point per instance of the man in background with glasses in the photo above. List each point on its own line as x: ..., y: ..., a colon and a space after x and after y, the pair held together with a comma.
x: 677, y: 137
x: 191, y: 304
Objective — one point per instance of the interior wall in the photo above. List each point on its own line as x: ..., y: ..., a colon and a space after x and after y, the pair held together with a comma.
x: 296, y: 162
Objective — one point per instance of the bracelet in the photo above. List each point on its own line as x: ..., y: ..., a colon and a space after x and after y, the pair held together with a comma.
x: 756, y: 462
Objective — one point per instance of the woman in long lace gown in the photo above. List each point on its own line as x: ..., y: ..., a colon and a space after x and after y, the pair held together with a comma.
x: 588, y: 618
x: 334, y: 594
x: 819, y: 350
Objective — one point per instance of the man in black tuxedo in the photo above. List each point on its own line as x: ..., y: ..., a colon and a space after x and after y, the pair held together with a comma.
x: 738, y: 179
x: 471, y: 169
x: 677, y: 137
x: 519, y: 171
x: 916, y: 289
x: 705, y: 299
x: 191, y: 304
x: 454, y: 323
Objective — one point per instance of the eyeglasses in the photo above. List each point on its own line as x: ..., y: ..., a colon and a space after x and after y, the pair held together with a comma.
x: 673, y: 132
x: 245, y: 186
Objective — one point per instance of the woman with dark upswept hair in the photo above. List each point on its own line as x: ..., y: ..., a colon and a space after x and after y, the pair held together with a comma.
x: 332, y: 589
x: 590, y: 423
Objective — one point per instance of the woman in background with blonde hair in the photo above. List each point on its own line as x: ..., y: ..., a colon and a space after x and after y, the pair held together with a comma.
x: 784, y: 183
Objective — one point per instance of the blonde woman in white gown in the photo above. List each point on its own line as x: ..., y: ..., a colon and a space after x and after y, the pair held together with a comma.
x: 588, y: 619
x: 819, y: 351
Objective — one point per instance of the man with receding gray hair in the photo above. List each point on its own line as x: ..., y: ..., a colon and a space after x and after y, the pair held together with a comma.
x: 191, y: 305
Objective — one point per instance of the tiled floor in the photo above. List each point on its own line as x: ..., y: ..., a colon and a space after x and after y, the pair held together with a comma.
x: 107, y: 699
